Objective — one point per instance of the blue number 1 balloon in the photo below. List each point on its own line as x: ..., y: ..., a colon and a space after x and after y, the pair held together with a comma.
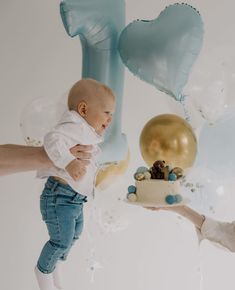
x: 99, y: 23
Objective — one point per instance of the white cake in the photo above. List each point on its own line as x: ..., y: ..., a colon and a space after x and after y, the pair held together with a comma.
x: 157, y: 193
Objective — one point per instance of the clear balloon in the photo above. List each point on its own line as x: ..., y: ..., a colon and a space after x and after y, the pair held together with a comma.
x: 212, y: 84
x: 216, y: 147
x: 38, y: 117
x: 110, y: 211
x: 162, y: 51
x: 204, y: 189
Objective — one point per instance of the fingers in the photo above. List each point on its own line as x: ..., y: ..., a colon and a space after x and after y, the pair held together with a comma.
x: 81, y: 151
x: 152, y: 208
x: 158, y: 208
x: 83, y: 148
x: 79, y: 174
x: 84, y: 162
x: 82, y: 155
x: 81, y: 171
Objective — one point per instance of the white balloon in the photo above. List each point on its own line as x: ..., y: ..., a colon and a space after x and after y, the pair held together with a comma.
x: 212, y: 83
x: 38, y: 117
x: 204, y: 189
x: 111, y: 213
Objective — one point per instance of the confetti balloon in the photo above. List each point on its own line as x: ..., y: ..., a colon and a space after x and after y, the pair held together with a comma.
x: 38, y: 117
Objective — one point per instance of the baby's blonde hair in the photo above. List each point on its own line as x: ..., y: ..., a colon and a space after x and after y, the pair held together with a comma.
x: 86, y: 90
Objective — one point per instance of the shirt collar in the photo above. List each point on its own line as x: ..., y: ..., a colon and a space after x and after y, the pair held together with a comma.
x: 73, y: 116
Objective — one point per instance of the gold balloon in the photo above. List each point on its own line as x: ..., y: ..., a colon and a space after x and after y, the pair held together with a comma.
x: 108, y: 175
x: 168, y: 137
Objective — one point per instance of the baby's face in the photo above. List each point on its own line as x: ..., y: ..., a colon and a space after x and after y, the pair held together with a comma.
x: 99, y: 114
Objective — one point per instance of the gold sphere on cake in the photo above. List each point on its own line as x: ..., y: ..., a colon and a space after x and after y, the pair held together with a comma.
x: 109, y: 174
x: 168, y: 137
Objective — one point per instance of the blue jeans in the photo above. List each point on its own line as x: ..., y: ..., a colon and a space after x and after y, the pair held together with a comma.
x: 62, y: 210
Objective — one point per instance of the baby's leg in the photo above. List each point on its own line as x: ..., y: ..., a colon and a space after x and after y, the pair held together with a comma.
x: 78, y: 230
x: 59, y: 266
x: 61, y: 228
x: 61, y: 209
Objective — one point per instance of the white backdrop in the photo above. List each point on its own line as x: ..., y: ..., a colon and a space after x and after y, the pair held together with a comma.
x: 151, y: 250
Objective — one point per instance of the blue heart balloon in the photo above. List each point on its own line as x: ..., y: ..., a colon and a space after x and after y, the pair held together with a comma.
x: 162, y: 51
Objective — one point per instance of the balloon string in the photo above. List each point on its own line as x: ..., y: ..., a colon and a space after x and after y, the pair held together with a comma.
x: 185, y: 110
x: 201, y: 285
x: 93, y: 264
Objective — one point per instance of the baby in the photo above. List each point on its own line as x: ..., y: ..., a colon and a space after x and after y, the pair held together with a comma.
x: 90, y: 109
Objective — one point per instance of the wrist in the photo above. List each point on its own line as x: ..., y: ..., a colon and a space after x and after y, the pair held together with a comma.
x: 44, y: 160
x: 203, y: 218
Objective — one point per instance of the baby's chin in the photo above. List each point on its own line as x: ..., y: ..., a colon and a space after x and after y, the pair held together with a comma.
x: 100, y: 132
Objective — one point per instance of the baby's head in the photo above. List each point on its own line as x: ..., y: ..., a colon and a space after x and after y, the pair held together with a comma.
x: 93, y: 101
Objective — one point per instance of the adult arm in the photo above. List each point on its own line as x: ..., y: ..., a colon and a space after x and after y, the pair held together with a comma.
x: 193, y: 216
x: 18, y: 158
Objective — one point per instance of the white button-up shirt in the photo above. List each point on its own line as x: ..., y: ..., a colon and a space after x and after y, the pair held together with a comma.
x: 70, y: 131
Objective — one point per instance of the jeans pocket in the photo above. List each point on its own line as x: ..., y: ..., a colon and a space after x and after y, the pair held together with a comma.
x: 68, y: 200
x: 43, y: 207
x: 79, y: 199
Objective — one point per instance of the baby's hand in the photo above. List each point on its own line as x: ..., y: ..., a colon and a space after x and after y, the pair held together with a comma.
x: 81, y: 151
x: 77, y: 168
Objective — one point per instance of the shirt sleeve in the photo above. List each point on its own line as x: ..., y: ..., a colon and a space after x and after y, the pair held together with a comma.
x: 57, y: 144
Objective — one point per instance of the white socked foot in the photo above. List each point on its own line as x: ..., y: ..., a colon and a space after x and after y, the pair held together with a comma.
x: 221, y: 233
x: 45, y: 281
x: 57, y: 275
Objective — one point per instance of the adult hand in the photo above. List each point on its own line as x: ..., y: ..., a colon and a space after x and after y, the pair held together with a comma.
x: 156, y: 208
x: 177, y: 208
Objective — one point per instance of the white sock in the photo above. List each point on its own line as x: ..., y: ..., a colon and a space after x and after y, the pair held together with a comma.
x: 45, y: 281
x: 57, y: 275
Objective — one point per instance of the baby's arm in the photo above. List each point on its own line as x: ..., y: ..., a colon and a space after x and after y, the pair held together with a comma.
x: 75, y: 168
x: 57, y: 144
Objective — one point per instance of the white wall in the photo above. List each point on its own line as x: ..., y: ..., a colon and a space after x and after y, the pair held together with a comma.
x: 154, y: 250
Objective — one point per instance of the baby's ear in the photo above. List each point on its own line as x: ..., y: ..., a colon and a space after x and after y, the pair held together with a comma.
x: 82, y: 108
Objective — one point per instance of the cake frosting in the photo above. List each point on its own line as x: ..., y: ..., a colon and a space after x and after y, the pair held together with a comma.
x: 159, y: 186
